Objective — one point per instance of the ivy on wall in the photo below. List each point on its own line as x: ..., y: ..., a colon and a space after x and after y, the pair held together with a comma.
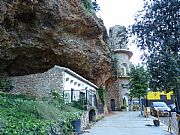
x: 101, y: 93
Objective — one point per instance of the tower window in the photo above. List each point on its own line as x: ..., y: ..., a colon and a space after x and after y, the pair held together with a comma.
x: 122, y: 71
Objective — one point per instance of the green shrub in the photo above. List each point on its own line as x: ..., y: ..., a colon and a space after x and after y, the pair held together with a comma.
x: 91, y: 6
x: 88, y: 5
x: 5, y: 85
x: 21, y: 115
x: 80, y: 104
x: 101, y: 93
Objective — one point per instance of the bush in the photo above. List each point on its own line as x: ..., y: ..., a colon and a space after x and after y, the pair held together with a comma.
x: 91, y: 6
x: 5, y: 85
x: 80, y: 104
x: 87, y: 4
x: 24, y: 115
x: 123, y: 107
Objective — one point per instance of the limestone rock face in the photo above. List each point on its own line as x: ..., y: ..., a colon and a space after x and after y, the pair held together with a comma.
x: 37, y: 34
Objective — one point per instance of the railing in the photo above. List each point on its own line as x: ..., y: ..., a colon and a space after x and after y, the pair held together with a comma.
x: 172, y: 121
x: 175, y: 122
x: 87, y: 100
x: 178, y: 121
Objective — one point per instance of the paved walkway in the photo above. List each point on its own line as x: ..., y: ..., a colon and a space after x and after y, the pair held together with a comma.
x: 127, y: 123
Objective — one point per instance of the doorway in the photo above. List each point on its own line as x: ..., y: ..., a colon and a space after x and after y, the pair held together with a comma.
x: 112, y: 105
x: 92, y: 115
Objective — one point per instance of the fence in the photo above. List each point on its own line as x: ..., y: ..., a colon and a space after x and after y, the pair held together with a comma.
x: 84, y: 98
x: 173, y: 121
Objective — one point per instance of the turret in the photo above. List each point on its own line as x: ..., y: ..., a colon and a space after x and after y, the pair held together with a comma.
x: 121, y: 54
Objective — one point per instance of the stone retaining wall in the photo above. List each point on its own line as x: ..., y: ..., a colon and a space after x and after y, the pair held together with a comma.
x: 38, y: 85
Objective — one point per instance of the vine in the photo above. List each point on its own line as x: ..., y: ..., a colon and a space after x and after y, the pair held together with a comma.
x: 101, y: 93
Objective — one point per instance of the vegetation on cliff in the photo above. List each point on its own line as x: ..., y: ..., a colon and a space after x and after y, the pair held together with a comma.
x: 91, y: 5
x: 101, y: 93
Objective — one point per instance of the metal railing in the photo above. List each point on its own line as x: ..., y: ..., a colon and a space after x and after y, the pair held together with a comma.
x: 175, y: 122
x: 86, y: 101
x: 172, y: 121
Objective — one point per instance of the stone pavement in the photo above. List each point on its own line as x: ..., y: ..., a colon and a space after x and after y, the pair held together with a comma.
x: 127, y: 123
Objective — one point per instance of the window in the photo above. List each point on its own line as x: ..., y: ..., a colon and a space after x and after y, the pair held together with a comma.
x: 71, y: 81
x: 75, y: 83
x: 72, y: 93
x: 67, y: 97
x: 90, y: 99
x: 95, y: 100
x: 122, y: 72
x: 82, y: 96
x: 124, y: 69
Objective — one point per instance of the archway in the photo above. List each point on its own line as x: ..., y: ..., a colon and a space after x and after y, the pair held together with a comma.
x: 112, y: 105
x: 92, y: 115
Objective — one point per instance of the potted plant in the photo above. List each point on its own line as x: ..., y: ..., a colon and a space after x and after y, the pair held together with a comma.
x: 76, y: 122
x: 156, y: 122
x: 123, y: 108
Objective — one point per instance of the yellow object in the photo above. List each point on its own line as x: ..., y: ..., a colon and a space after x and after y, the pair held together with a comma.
x: 156, y: 95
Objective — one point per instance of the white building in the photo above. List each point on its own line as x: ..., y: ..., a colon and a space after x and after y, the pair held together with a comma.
x: 73, y: 86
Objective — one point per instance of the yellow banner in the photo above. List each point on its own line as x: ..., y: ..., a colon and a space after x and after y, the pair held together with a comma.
x: 157, y: 95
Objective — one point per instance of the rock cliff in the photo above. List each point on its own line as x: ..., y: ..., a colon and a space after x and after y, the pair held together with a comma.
x: 38, y: 34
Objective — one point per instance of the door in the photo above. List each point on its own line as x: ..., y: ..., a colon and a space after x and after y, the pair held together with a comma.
x: 112, y: 105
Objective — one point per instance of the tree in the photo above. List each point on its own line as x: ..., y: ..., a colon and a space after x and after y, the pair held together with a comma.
x: 95, y: 6
x: 91, y: 5
x: 157, y: 31
x: 138, y: 82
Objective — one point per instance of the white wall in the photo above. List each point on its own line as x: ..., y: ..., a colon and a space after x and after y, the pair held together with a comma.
x: 71, y: 82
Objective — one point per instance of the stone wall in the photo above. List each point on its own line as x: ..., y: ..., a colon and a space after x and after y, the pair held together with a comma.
x: 38, y: 85
x: 112, y: 92
x: 122, y: 58
x: 118, y: 37
x: 115, y: 88
x: 85, y: 118
x: 124, y: 90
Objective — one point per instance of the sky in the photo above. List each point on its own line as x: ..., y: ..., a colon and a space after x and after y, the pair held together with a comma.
x: 121, y: 12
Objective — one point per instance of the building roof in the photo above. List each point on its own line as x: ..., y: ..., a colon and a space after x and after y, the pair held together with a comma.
x: 129, y: 53
x: 67, y: 70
